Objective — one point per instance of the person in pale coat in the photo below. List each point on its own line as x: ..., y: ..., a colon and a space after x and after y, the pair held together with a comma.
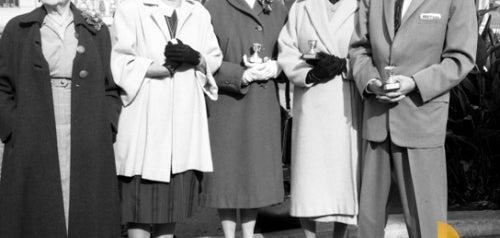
x: 326, y: 109
x: 163, y: 130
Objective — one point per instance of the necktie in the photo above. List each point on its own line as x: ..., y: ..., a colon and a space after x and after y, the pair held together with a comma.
x: 397, y: 14
x: 172, y: 24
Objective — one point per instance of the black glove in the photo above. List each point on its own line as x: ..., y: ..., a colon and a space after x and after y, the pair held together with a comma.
x: 326, y: 68
x: 181, y: 53
x: 169, y: 63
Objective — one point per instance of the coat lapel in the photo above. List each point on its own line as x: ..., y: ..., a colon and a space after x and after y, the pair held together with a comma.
x: 243, y: 7
x: 158, y: 16
x: 317, y: 14
x: 344, y: 11
x: 184, y: 14
x: 389, y: 16
x: 415, y: 4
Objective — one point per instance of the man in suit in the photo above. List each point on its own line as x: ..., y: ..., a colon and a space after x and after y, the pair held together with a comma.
x: 431, y: 45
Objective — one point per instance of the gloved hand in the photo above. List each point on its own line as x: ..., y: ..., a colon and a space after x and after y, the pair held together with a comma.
x: 181, y: 53
x: 249, y: 75
x: 263, y: 71
x: 169, y: 63
x: 326, y: 68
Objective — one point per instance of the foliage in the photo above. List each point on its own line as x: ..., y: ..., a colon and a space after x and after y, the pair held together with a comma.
x: 473, y: 134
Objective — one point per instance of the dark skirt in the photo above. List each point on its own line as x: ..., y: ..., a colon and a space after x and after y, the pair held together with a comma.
x: 150, y: 202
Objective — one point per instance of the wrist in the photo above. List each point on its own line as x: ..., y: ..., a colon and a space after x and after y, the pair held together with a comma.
x: 415, y: 88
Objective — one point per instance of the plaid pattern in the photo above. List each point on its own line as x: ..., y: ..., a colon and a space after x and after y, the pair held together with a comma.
x: 61, y: 94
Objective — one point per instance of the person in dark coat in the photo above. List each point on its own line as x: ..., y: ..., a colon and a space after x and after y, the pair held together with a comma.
x: 244, y: 122
x: 58, y: 112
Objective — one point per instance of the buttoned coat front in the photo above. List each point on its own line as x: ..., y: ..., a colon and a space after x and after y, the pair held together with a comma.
x: 435, y: 44
x: 245, y: 122
x: 325, y: 116
x: 31, y: 200
x: 163, y: 128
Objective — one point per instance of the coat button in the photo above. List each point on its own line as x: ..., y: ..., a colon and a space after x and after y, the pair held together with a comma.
x: 83, y: 74
x: 80, y: 49
x: 258, y: 28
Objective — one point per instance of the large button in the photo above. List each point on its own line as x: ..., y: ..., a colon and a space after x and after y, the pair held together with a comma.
x: 80, y: 49
x: 83, y: 74
x: 258, y: 28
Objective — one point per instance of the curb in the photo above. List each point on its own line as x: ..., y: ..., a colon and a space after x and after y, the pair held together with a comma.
x: 467, y: 223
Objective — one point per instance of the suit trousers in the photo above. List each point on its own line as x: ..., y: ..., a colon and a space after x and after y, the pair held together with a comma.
x: 422, y: 183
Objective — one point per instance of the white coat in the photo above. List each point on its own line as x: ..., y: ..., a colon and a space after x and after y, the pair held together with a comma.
x: 163, y: 126
x: 324, y: 135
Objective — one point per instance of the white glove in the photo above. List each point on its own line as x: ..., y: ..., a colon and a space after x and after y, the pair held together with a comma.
x: 260, y: 71
x: 270, y: 70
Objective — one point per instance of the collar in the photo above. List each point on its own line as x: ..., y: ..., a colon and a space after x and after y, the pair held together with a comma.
x: 38, y: 16
x: 157, y: 2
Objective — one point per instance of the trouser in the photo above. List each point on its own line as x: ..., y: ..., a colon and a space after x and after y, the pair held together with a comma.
x: 421, y: 179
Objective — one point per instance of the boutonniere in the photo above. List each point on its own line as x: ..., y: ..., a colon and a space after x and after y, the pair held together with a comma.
x: 267, y: 5
x: 93, y: 18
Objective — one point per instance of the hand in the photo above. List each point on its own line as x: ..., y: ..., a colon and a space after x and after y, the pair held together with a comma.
x: 269, y: 69
x: 182, y: 53
x: 249, y: 64
x: 375, y: 87
x: 326, y: 68
x: 169, y: 63
x: 406, y: 84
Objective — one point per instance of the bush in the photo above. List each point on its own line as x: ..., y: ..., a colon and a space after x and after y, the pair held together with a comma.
x: 473, y: 134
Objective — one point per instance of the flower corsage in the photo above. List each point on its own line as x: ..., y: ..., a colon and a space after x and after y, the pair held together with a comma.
x: 267, y: 5
x: 93, y: 18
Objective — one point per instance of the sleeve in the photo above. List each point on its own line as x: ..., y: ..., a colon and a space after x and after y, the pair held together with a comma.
x: 458, y: 54
x: 228, y: 77
x: 128, y: 68
x: 360, y: 51
x: 7, y: 88
x: 289, y: 56
x: 213, y: 59
x: 113, y: 102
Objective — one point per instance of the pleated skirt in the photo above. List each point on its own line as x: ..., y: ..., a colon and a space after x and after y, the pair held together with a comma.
x: 150, y: 202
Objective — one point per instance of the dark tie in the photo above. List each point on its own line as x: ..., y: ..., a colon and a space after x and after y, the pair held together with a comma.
x: 397, y: 14
x: 172, y: 24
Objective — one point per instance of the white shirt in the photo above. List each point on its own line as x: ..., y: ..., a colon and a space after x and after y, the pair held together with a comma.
x: 406, y: 5
x: 250, y: 3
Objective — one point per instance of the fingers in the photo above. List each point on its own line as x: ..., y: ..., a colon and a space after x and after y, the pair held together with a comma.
x: 386, y: 99
x: 249, y: 64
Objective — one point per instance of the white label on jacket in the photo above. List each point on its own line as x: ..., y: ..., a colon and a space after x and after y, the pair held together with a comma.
x: 430, y: 16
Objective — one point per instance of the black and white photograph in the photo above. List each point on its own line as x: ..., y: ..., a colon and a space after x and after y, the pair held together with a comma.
x: 249, y: 119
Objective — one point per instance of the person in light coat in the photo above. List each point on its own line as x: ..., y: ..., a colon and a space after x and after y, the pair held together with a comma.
x: 163, y: 130
x: 326, y: 111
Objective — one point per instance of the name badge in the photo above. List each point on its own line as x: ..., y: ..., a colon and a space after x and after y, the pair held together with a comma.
x: 430, y: 16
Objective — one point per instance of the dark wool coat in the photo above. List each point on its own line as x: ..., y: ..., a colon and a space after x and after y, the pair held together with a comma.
x: 30, y: 189
x: 244, y: 122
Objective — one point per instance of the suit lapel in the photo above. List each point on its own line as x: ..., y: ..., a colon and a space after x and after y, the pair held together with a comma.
x: 243, y: 7
x: 316, y: 10
x: 411, y: 9
x: 389, y: 16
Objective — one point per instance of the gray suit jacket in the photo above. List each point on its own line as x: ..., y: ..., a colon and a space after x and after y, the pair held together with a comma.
x: 436, y: 45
